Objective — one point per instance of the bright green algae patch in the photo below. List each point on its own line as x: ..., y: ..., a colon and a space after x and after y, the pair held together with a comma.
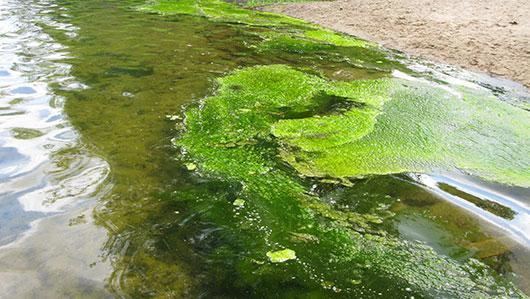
x: 411, y: 127
x: 334, y: 38
x: 254, y: 3
x: 235, y: 135
x: 281, y: 256
x: 220, y: 11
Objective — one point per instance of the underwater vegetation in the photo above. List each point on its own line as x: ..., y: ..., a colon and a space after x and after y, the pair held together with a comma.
x: 220, y: 11
x: 256, y: 199
x: 272, y: 132
x: 261, y: 117
x: 26, y: 133
x: 275, y: 34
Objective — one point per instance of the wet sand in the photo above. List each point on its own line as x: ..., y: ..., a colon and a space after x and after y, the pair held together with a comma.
x: 490, y: 36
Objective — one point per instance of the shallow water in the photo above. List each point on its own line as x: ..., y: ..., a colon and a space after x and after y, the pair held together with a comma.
x: 86, y: 189
x: 47, y: 177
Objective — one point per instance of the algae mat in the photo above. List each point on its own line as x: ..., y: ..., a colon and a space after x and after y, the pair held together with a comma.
x: 259, y: 116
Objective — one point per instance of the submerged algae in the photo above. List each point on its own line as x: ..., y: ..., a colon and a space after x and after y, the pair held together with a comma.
x: 229, y: 137
x: 166, y: 247
x: 292, y: 40
x: 220, y: 11
x: 26, y: 133
x: 278, y: 32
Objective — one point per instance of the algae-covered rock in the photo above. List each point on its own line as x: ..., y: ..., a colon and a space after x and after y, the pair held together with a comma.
x: 262, y: 117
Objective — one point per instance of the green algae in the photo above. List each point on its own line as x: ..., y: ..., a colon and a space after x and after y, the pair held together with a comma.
x: 219, y: 11
x: 384, y: 133
x: 336, y: 39
x: 177, y: 233
x: 292, y: 44
x: 26, y: 133
x: 191, y: 166
x: 285, y: 37
x: 422, y: 128
x: 239, y: 202
x: 281, y: 256
x: 256, y: 3
x: 229, y: 136
x: 285, y: 27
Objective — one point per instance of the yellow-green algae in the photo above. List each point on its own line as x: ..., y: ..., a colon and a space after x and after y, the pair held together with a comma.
x: 257, y: 3
x: 418, y: 128
x: 234, y: 136
x: 221, y: 11
x: 279, y: 35
x: 281, y: 256
x: 335, y: 38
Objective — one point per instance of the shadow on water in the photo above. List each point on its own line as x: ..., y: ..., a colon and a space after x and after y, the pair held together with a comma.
x: 140, y: 69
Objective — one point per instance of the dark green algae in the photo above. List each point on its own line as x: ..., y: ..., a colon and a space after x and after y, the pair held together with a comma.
x: 176, y: 233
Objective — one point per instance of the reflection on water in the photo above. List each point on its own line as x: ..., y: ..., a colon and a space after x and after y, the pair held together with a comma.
x: 510, y: 213
x: 39, y: 192
x: 137, y: 70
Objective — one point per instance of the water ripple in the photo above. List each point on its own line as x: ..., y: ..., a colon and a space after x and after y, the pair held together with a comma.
x: 46, y: 175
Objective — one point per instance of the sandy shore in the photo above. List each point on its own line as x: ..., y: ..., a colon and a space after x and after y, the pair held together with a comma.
x: 491, y: 36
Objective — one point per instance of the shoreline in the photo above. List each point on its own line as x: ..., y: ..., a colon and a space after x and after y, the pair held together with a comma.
x: 484, y: 36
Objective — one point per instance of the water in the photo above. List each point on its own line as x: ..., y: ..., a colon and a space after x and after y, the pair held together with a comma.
x: 86, y: 206
x: 47, y: 177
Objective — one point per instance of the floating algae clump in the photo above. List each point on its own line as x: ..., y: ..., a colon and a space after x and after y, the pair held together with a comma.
x: 281, y: 256
x: 259, y: 113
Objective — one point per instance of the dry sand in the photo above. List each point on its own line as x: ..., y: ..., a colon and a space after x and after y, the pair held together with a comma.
x: 491, y: 36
